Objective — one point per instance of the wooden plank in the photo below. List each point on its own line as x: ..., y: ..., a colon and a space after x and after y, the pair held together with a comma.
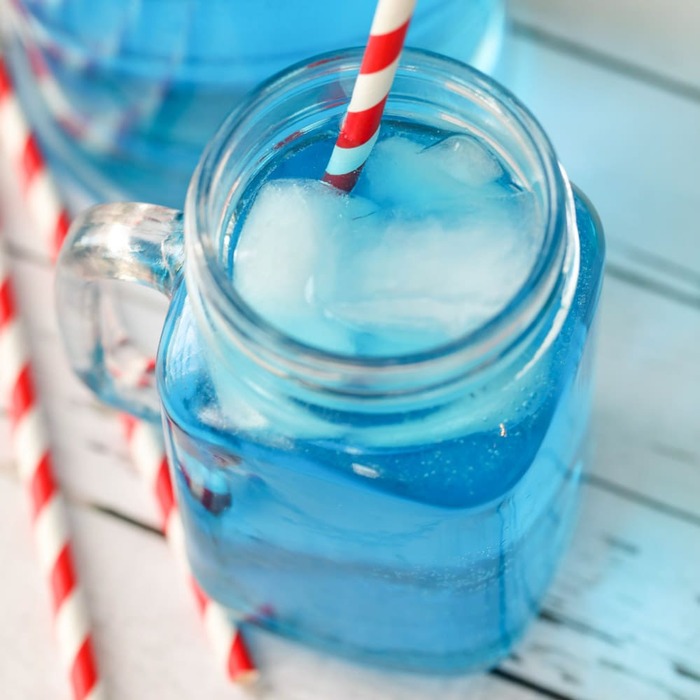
x: 646, y: 410
x: 622, y: 618
x: 632, y: 149
x: 292, y: 672
x: 660, y: 36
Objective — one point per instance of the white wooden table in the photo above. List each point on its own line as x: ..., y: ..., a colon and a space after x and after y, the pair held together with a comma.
x: 616, y: 84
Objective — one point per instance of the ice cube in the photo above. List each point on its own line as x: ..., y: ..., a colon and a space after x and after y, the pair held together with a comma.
x: 276, y: 249
x: 467, y: 160
x: 400, y: 174
x: 452, y: 175
x: 418, y: 283
x: 286, y: 239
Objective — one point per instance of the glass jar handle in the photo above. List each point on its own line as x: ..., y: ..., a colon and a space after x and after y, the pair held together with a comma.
x: 140, y: 243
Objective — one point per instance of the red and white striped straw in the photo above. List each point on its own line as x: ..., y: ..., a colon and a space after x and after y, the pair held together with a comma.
x: 52, y: 222
x: 360, y: 126
x: 22, y: 149
x: 48, y: 510
x: 146, y: 448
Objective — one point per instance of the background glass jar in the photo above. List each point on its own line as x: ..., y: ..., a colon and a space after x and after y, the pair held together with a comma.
x: 126, y: 94
x: 406, y: 510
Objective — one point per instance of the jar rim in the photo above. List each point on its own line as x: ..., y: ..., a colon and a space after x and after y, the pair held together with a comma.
x: 268, y: 344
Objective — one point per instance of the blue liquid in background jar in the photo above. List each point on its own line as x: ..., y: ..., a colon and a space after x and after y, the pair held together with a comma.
x: 416, y: 532
x: 133, y: 90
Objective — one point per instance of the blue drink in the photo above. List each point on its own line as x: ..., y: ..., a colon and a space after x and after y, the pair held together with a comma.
x: 375, y: 404
x: 134, y: 90
x: 419, y: 536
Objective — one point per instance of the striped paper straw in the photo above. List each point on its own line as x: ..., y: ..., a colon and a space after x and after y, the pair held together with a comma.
x: 21, y: 147
x: 146, y: 448
x: 48, y: 510
x: 225, y: 638
x: 360, y: 126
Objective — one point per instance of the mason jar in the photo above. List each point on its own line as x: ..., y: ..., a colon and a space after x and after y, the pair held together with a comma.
x: 408, y: 510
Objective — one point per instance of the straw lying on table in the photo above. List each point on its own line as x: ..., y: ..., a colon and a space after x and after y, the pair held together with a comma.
x: 48, y: 510
x: 380, y: 60
x: 146, y: 450
x: 51, y: 220
x: 21, y: 148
